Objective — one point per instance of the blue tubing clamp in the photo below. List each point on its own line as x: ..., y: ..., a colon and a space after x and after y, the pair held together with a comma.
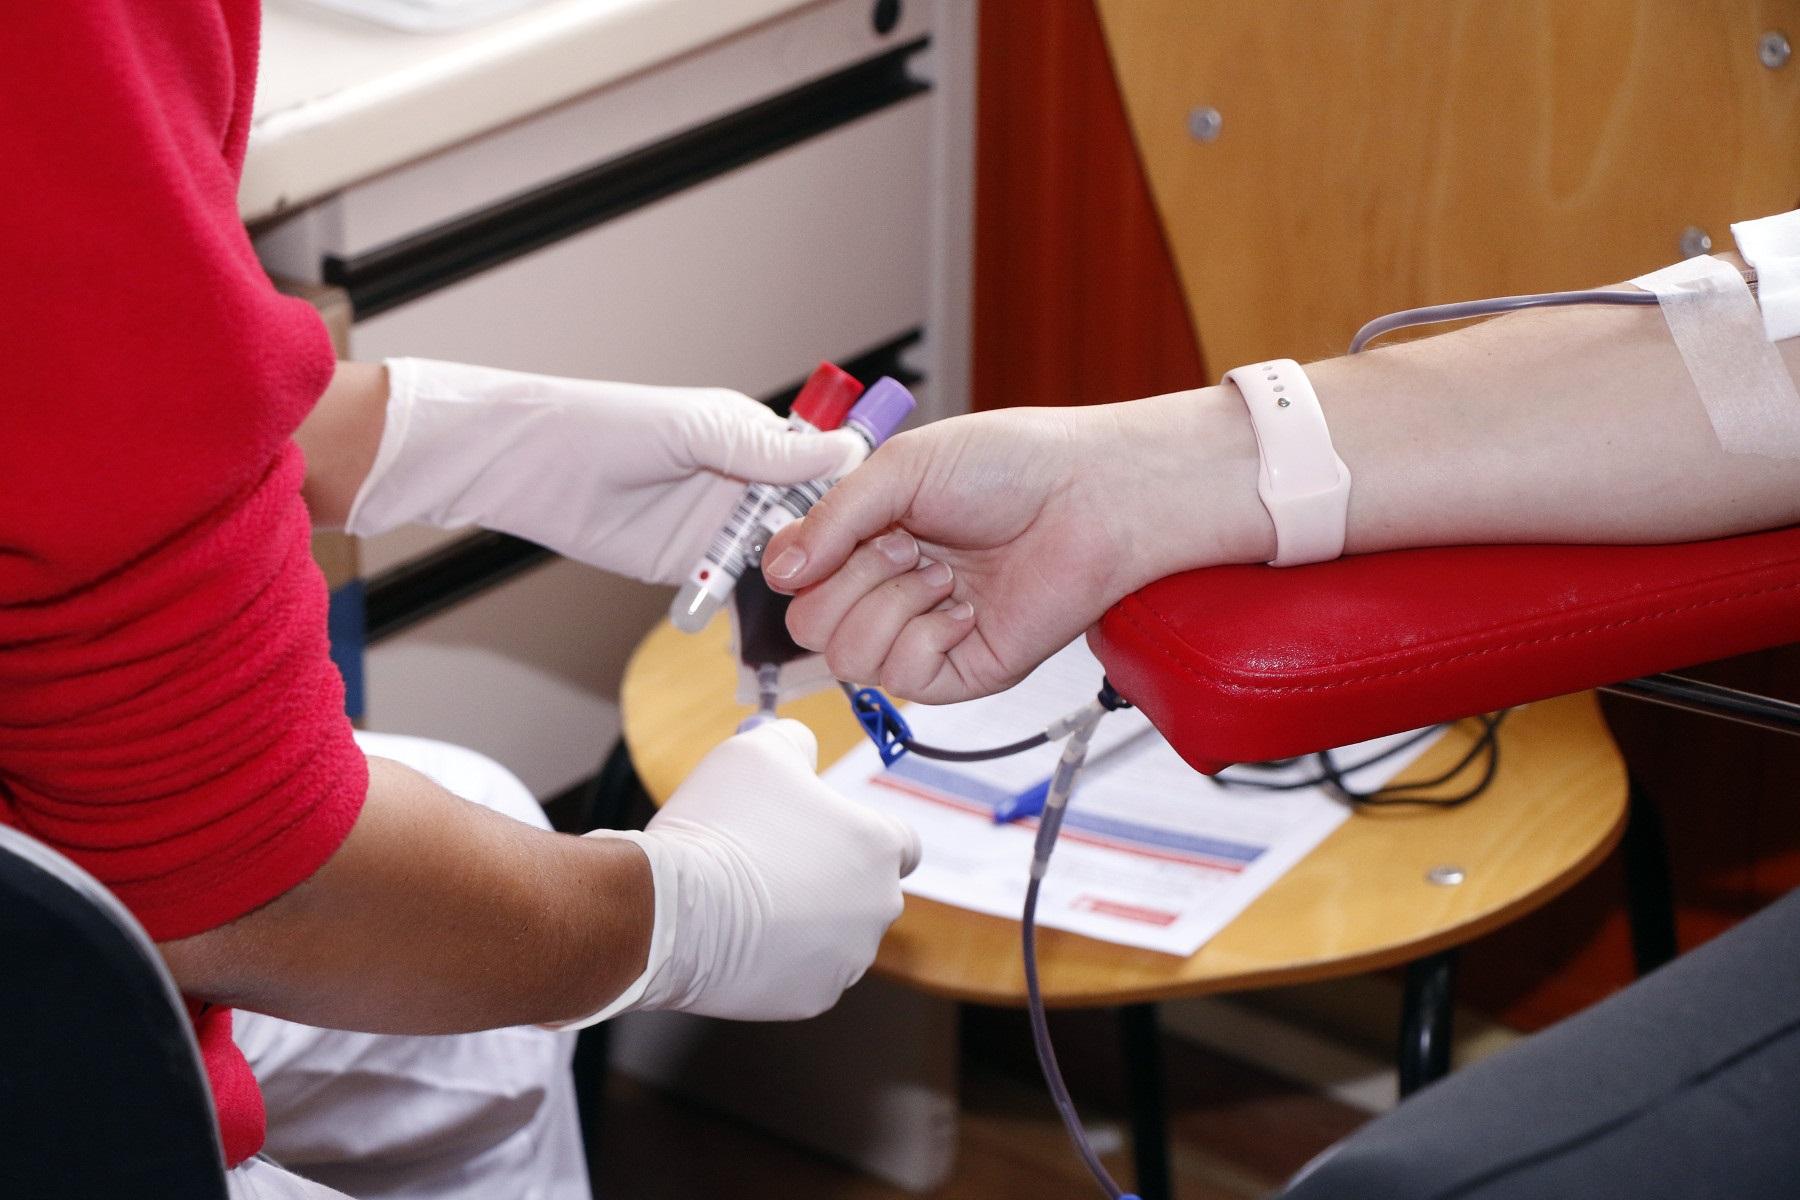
x: 882, y: 722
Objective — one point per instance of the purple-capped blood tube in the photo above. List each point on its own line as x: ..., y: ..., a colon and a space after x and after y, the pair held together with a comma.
x: 876, y: 418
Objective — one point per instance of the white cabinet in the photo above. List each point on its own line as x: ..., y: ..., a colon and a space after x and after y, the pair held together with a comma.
x: 731, y: 217
x: 745, y: 280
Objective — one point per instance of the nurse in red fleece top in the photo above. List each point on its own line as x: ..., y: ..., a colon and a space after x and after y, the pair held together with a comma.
x: 169, y: 718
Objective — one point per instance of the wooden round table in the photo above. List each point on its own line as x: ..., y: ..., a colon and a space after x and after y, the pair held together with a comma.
x: 1360, y: 901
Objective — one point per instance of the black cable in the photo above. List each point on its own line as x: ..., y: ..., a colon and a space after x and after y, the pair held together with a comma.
x: 1489, y: 737
x: 1331, y: 774
x: 1108, y: 698
x: 1316, y: 780
x: 923, y: 750
x: 1408, y: 744
x: 1393, y: 796
x: 1400, y: 793
x: 1412, y: 793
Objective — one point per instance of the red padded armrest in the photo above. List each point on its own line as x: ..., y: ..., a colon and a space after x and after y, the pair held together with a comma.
x: 1243, y: 664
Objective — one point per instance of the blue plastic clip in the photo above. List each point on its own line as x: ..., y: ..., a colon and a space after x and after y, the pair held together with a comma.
x: 882, y: 722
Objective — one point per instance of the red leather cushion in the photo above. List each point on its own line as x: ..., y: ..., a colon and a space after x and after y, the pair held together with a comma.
x: 1242, y: 664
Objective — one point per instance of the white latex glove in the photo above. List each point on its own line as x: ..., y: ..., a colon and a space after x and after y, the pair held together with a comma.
x: 772, y: 890
x: 626, y: 477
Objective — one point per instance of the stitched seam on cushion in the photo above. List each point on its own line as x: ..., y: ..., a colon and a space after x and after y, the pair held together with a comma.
x: 1440, y: 664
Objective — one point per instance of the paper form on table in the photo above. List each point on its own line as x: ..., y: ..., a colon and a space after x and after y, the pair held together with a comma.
x: 1152, y: 853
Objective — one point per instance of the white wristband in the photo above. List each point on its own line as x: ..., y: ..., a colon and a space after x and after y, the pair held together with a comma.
x: 1302, y: 482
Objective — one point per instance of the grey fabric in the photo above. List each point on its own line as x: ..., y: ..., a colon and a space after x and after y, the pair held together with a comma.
x: 102, y: 1092
x: 1685, y: 1085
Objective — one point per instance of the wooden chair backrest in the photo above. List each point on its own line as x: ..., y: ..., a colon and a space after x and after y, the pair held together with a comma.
x: 1378, y: 154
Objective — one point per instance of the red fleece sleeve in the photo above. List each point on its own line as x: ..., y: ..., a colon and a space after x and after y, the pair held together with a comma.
x: 169, y: 717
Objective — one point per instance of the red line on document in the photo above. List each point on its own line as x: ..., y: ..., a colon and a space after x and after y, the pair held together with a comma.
x: 1128, y: 912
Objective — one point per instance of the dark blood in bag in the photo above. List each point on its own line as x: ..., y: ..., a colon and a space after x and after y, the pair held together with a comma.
x: 762, y: 623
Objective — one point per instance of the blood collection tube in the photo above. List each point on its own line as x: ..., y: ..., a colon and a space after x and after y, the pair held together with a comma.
x: 820, y: 406
x: 876, y: 417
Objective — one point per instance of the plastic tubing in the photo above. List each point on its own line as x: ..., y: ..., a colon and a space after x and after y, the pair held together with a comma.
x: 768, y: 694
x: 1062, y: 785
x: 1467, y: 309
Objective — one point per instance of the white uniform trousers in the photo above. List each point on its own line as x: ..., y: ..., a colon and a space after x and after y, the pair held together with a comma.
x: 476, y: 1116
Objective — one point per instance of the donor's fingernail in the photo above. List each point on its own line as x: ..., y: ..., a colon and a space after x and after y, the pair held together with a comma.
x: 962, y: 612
x: 787, y: 564
x: 897, y: 547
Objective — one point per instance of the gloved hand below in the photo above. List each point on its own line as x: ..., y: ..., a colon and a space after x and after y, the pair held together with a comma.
x: 627, y: 477
x: 772, y: 890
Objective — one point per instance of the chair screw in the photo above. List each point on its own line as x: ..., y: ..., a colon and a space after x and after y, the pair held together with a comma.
x: 1206, y: 122
x: 1773, y: 49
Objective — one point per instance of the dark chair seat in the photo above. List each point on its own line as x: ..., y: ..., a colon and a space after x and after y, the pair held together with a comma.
x: 1683, y: 1086
x: 102, y: 1093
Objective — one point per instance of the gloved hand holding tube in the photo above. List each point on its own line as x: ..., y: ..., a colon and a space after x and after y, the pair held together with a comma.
x: 764, y: 509
x: 626, y: 477
x: 820, y: 407
x: 772, y: 890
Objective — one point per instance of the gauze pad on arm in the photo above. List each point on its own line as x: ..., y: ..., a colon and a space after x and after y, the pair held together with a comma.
x: 1737, y: 371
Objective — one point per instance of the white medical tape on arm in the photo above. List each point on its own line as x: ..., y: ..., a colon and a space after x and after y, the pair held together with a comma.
x: 1772, y: 246
x: 1742, y: 382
